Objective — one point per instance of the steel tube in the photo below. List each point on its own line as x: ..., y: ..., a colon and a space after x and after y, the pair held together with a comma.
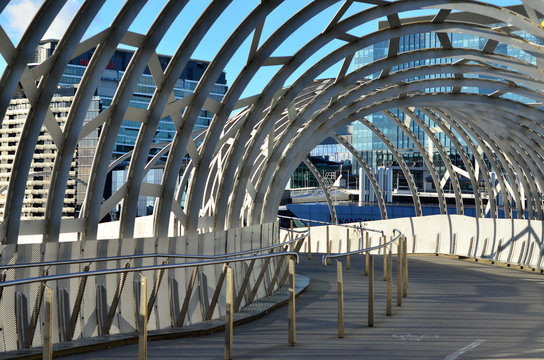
x: 329, y: 223
x: 367, y: 255
x: 292, y: 315
x: 229, y: 316
x: 348, y: 245
x: 328, y: 245
x: 361, y: 251
x: 142, y: 320
x: 309, y: 239
x: 48, y: 326
x: 141, y: 268
x: 340, y: 286
x: 384, y: 260
x: 370, y: 290
x: 405, y: 267
x: 399, y: 274
x: 153, y: 255
x: 389, y: 282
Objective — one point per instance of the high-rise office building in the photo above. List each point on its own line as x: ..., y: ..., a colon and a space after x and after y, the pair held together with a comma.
x: 372, y: 149
x: 43, y: 161
x: 44, y: 155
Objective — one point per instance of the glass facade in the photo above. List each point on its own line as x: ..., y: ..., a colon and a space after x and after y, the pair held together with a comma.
x: 374, y: 150
x: 141, y: 98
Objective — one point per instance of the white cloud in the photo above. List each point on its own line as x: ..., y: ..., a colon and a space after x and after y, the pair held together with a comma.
x: 20, y: 13
x: 61, y: 22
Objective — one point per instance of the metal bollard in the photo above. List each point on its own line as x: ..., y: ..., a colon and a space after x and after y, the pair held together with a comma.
x: 389, y: 282
x: 340, y: 283
x: 292, y: 315
x: 399, y: 273
x: 229, y: 314
x: 142, y: 328
x: 367, y: 245
x: 348, y: 249
x: 405, y: 266
x: 370, y: 291
x: 48, y: 327
x: 309, y: 242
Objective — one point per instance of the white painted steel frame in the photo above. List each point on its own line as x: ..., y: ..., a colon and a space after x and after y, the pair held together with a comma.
x: 238, y: 172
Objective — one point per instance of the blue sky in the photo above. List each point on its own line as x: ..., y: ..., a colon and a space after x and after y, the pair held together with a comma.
x: 18, y: 14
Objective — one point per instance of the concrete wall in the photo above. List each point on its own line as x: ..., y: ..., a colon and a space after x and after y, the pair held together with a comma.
x: 506, y: 240
x: 18, y: 302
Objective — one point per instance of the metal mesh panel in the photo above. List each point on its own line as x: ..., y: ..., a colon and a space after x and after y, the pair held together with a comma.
x: 88, y: 321
x: 176, y: 278
x: 194, y: 312
x: 125, y: 319
x: 161, y: 308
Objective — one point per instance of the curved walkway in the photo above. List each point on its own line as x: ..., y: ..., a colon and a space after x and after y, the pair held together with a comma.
x: 454, y: 310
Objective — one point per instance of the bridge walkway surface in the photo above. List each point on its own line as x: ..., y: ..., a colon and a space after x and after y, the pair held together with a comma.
x: 455, y: 309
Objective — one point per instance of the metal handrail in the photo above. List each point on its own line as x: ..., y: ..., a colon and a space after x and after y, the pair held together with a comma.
x: 142, y: 268
x: 361, y: 251
x: 154, y: 255
x: 329, y: 223
x: 143, y: 307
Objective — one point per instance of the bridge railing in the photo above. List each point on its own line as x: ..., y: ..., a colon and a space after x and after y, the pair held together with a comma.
x: 402, y: 274
x: 145, y: 303
x: 397, y: 238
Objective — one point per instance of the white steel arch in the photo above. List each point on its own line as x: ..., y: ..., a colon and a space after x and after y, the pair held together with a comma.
x: 240, y: 165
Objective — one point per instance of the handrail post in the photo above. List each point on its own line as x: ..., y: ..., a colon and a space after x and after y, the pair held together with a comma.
x: 340, y: 284
x: 142, y: 328
x: 405, y: 266
x: 291, y: 235
x: 367, y: 255
x: 389, y: 282
x: 328, y: 246
x: 348, y: 249
x: 399, y: 273
x: 384, y: 258
x: 292, y: 316
x: 48, y: 327
x: 229, y: 304
x: 309, y: 242
x: 370, y: 291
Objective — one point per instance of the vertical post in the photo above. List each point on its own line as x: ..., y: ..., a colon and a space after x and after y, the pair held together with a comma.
x: 399, y: 272
x: 348, y: 249
x: 384, y: 259
x: 371, y: 291
x: 291, y: 237
x: 340, y: 284
x: 48, y: 328
x: 389, y: 282
x: 292, y: 318
x: 405, y: 266
x: 328, y: 246
x: 309, y: 242
x: 367, y: 255
x: 142, y: 328
x: 229, y: 304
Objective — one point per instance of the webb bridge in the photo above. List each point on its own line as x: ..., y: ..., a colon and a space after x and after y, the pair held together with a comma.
x: 213, y: 232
